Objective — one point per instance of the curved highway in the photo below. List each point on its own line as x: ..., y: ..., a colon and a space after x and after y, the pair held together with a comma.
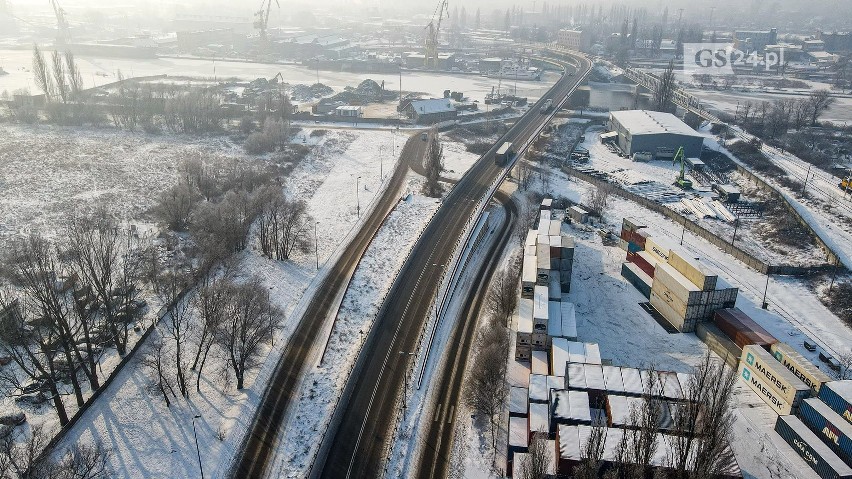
x: 365, y: 415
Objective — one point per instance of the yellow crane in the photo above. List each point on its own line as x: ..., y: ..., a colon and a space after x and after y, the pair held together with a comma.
x: 261, y: 20
x: 63, y: 36
x: 434, y: 27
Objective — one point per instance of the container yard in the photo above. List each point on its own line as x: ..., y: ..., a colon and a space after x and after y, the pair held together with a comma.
x: 811, y: 449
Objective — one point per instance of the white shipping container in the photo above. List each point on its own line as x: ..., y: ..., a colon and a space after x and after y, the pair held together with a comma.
x: 632, y: 381
x: 594, y: 377
x: 579, y: 403
x: 538, y: 363
x: 800, y: 366
x: 612, y: 379
x: 518, y: 436
x: 671, y: 385
x: 525, y: 311
x: 539, y: 418
x: 554, y: 291
x: 575, y: 376
x: 577, y: 352
x: 593, y: 353
x: 555, y: 228
x: 612, y: 444
x: 538, y: 388
x: 685, y: 292
x: 569, y: 443
x: 529, y: 250
x: 529, y: 272
x: 755, y: 381
x: 540, y: 304
x: 518, y: 401
x: 569, y: 320
x: 532, y: 236
x: 559, y: 355
x: 773, y: 373
x: 659, y: 247
x: 554, y: 326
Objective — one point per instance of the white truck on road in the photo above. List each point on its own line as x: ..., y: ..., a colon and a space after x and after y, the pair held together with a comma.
x: 548, y: 104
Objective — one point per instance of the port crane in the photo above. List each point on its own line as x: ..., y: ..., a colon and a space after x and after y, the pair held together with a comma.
x: 434, y: 29
x: 681, y: 181
x: 262, y: 18
x: 63, y: 36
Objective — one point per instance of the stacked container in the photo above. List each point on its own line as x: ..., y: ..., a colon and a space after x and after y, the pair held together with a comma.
x: 838, y: 396
x: 638, y: 278
x: 828, y: 426
x: 799, y: 365
x: 741, y: 329
x: 816, y: 454
x: 774, y: 383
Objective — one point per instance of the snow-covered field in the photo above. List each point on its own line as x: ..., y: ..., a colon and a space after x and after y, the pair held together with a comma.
x: 99, y: 71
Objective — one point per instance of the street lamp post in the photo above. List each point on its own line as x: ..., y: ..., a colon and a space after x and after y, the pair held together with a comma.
x: 357, y: 198
x: 316, y: 244
x: 765, y: 305
x: 734, y: 237
x: 197, y: 450
x: 405, y: 382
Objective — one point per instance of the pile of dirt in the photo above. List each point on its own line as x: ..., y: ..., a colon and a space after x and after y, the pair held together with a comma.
x: 302, y: 92
x: 368, y: 91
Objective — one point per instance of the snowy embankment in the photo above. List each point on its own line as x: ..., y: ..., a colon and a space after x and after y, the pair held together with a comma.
x: 306, y: 425
x: 146, y: 438
x: 824, y: 220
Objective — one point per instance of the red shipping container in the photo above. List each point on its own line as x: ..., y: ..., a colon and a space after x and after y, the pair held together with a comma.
x: 742, y: 329
x: 644, y: 265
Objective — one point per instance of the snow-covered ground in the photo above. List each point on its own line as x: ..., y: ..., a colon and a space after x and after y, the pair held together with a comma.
x: 305, y: 428
x: 457, y: 160
x: 149, y: 440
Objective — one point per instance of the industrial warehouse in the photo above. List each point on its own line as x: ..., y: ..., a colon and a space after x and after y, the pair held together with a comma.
x: 660, y: 134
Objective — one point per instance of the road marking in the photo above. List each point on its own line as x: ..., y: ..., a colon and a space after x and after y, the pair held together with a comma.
x: 450, y: 415
x: 438, y: 413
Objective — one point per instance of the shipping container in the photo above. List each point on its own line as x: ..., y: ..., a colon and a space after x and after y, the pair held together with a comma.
x: 519, y: 374
x: 525, y: 314
x: 518, y: 436
x: 684, y: 323
x: 543, y: 224
x: 618, y: 409
x: 634, y: 238
x: 594, y: 377
x: 539, y: 363
x: 554, y: 290
x: 785, y: 383
x: 612, y: 379
x: 518, y: 401
x: 542, y: 257
x: 569, y: 320
x: 555, y: 243
x: 659, y: 247
x: 555, y: 382
x: 577, y: 214
x: 645, y: 261
x: 539, y: 340
x: 529, y: 276
x: 719, y: 343
x: 755, y: 381
x: 570, y: 448
x: 816, y: 454
x: 632, y: 224
x: 570, y: 407
x: 829, y: 426
x: 632, y: 381
x: 799, y: 365
x: 532, y: 236
x: 670, y: 385
x: 622, y: 244
x: 539, y: 419
x: 523, y: 352
x: 529, y: 251
x: 540, y: 307
x: 838, y: 396
x: 555, y: 228
x: 538, y: 388
x: 695, y: 272
x: 684, y: 292
x: 567, y: 247
x: 546, y: 204
x: 554, y: 323
x: 637, y: 277
x: 741, y: 328
x: 593, y: 353
x: 575, y: 376
x: 564, y: 351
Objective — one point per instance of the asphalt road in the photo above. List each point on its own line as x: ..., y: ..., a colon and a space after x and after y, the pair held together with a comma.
x: 261, y: 440
x: 367, y: 409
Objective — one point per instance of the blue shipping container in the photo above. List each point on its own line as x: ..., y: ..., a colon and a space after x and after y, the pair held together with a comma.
x: 828, y: 425
x: 633, y: 247
x: 811, y: 449
x: 633, y: 279
x: 838, y: 396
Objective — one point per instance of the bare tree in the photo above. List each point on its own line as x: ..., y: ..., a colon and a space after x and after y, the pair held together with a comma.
x: 175, y: 206
x: 599, y: 201
x: 486, y: 390
x: 179, y: 322
x: 59, y: 80
x: 75, y: 78
x: 41, y: 72
x: 210, y: 301
x: 433, y: 163
x: 249, y: 321
x: 524, y: 173
x: 502, y: 296
x: 282, y: 224
x: 152, y: 360
x: 703, y: 422
x: 27, y: 459
x: 845, y: 361
x: 592, y: 453
x: 664, y: 94
x: 818, y: 102
x: 84, y: 461
x: 538, y: 461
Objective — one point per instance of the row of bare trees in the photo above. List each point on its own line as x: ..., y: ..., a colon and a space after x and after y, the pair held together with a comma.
x: 64, y: 304
x: 697, y: 448
x: 772, y: 120
x: 224, y: 318
x: 433, y: 163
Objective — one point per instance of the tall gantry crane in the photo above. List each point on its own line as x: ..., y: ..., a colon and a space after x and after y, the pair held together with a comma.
x: 434, y: 28
x: 63, y: 36
x: 261, y: 20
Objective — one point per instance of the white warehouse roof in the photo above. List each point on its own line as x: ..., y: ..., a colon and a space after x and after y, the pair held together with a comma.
x: 434, y: 105
x: 646, y: 122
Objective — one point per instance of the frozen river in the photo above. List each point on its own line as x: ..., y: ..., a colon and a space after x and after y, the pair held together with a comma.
x: 97, y: 71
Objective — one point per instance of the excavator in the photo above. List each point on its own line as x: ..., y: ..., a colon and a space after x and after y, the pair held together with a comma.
x: 846, y: 183
x: 681, y: 181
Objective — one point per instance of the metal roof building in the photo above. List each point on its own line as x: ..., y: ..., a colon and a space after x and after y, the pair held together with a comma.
x: 431, y: 110
x: 655, y: 132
